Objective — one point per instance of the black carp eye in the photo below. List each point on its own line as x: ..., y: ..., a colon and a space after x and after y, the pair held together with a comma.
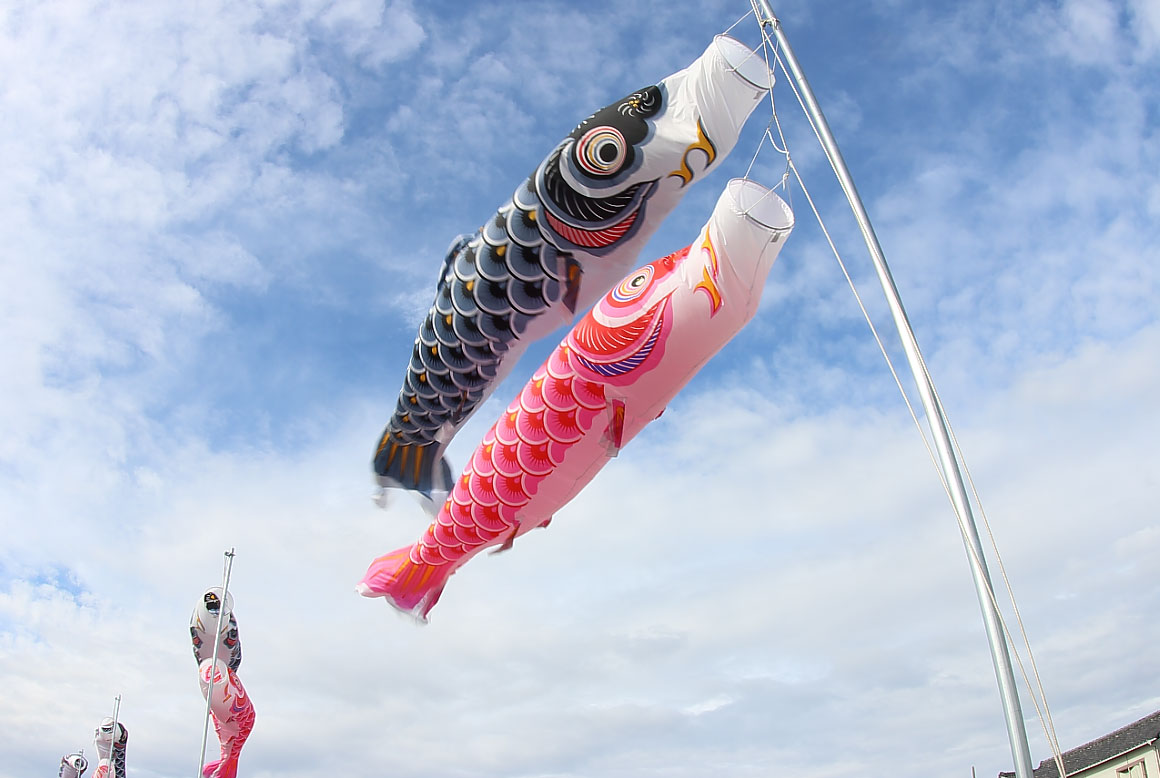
x: 601, y: 150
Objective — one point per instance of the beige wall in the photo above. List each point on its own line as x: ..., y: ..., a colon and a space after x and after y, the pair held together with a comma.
x: 1113, y: 767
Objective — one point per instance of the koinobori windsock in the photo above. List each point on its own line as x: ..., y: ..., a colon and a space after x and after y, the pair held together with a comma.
x: 111, y: 740
x: 233, y: 716
x: 73, y: 765
x: 572, y: 229
x: 213, y: 623
x: 613, y: 373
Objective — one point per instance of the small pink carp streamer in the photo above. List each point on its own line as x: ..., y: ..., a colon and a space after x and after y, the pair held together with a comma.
x: 73, y: 765
x: 233, y: 716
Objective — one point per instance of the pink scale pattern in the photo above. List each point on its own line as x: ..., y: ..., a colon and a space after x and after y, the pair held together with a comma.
x: 524, y: 447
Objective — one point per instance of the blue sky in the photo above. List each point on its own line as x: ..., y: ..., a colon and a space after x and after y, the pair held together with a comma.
x: 223, y: 222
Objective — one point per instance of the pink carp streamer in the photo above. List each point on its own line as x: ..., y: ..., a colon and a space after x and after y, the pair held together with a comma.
x: 230, y: 706
x: 612, y: 374
x: 233, y: 716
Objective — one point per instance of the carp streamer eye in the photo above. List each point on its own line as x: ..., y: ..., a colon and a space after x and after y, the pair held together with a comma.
x: 601, y: 151
x: 632, y: 287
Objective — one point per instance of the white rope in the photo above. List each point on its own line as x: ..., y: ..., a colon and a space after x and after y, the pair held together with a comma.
x: 229, y: 566
x: 1044, y: 712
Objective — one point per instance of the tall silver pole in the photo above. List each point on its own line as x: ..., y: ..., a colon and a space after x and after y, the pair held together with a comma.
x: 1008, y: 691
x: 213, y: 667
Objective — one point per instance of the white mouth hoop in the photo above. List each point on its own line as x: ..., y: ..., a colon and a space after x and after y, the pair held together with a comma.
x: 761, y: 204
x: 744, y: 61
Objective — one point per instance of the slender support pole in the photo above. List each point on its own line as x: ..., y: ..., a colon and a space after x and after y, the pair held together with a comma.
x: 1004, y: 674
x: 113, y: 742
x: 213, y: 666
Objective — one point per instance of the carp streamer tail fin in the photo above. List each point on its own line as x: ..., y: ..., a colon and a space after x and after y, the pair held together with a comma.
x: 412, y: 587
x: 413, y: 466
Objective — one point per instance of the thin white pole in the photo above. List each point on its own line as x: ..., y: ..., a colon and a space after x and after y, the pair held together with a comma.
x: 213, y: 666
x: 1008, y: 692
x: 113, y: 741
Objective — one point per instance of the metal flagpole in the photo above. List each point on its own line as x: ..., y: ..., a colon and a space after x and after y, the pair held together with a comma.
x: 113, y: 740
x: 1004, y: 674
x: 213, y: 666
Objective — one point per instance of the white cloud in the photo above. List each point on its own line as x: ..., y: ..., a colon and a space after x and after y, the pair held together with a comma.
x: 195, y: 193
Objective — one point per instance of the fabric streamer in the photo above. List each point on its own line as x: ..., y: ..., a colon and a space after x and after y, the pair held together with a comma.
x: 613, y: 374
x: 230, y: 705
x: 110, y: 740
x: 572, y: 229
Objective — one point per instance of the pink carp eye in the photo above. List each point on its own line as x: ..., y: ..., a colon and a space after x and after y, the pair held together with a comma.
x: 632, y: 287
x: 601, y: 150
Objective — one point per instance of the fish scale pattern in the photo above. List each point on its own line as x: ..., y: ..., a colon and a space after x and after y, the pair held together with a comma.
x: 527, y: 443
x: 493, y: 284
x: 522, y: 448
x: 233, y: 720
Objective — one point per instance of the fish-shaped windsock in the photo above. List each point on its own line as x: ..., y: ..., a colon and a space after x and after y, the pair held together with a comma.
x: 570, y: 231
x: 613, y: 374
x: 213, y: 623
x: 233, y: 716
x: 110, y: 739
x: 73, y: 766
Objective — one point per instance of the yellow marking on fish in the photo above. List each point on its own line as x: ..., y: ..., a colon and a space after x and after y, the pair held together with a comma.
x: 501, y: 250
x: 391, y: 456
x: 434, y: 351
x: 405, y: 457
x: 703, y: 143
x: 418, y: 463
x: 423, y: 378
x: 469, y: 285
x: 414, y: 401
x: 531, y: 216
x: 710, y: 287
x: 709, y: 277
x: 447, y: 319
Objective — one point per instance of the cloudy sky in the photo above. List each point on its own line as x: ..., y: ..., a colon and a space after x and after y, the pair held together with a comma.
x: 222, y: 221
